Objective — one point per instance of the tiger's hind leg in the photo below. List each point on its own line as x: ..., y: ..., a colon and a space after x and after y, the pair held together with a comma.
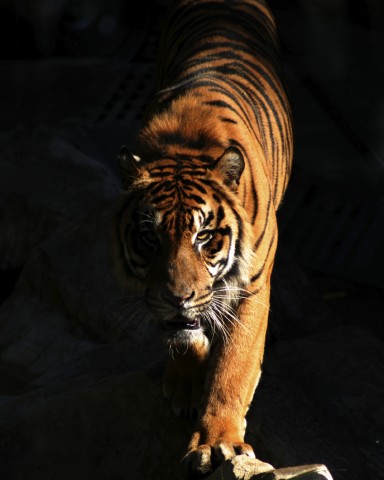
x: 184, y: 376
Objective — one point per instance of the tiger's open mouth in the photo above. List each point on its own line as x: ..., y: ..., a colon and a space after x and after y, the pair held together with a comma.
x: 180, y: 323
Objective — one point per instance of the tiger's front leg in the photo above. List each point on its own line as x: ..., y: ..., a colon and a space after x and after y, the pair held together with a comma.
x: 185, y: 376
x: 231, y: 383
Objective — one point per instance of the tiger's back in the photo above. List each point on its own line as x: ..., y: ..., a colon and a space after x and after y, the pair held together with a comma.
x: 225, y: 55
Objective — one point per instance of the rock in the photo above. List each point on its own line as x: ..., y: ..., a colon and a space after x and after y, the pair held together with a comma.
x: 241, y: 467
x: 94, y: 426
x: 244, y: 468
x: 304, y: 472
x: 45, y: 181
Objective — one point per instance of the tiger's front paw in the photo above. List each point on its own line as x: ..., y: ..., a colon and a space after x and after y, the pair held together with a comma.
x: 204, y: 459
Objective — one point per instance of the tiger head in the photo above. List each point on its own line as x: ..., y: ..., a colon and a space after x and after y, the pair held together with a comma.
x: 182, y: 232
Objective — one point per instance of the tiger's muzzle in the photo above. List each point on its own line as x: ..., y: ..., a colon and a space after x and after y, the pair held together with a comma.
x: 180, y: 323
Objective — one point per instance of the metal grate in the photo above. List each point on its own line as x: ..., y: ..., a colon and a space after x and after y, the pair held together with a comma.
x: 116, y: 118
x: 128, y: 95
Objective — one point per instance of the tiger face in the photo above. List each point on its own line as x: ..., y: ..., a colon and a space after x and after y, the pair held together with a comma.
x: 183, y: 235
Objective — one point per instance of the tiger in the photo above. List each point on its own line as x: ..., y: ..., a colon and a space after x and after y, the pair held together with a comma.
x: 196, y: 231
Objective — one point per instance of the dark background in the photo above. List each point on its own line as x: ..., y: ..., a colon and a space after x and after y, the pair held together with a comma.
x: 87, y: 66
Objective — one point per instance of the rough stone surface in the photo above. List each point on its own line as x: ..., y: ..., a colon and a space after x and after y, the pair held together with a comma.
x: 245, y: 468
x: 45, y: 181
x: 80, y: 365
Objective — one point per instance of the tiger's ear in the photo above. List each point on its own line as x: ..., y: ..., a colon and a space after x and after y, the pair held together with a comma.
x: 129, y: 165
x: 230, y: 166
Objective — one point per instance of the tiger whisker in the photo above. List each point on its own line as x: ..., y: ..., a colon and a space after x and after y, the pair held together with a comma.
x: 231, y: 297
x: 207, y: 318
x: 125, y: 317
x: 229, y: 314
x: 232, y: 289
x: 241, y: 298
x: 145, y: 220
x: 217, y: 320
x: 126, y: 307
x: 170, y: 351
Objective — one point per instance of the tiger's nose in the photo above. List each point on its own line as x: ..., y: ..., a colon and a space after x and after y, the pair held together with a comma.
x: 180, y: 300
x: 184, y: 299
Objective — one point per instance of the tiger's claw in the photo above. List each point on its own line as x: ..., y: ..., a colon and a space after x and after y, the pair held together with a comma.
x: 204, y: 459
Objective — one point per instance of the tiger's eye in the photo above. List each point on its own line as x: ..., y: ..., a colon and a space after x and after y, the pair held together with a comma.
x: 150, y: 238
x: 204, y: 236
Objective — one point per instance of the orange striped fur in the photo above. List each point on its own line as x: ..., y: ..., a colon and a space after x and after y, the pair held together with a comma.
x: 196, y: 232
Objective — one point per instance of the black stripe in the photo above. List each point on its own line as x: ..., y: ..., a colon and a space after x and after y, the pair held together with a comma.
x: 264, y: 229
x: 194, y: 184
x: 158, y: 187
x: 228, y: 120
x: 261, y: 270
x: 161, y: 198
x: 220, y: 214
x: 196, y: 198
x: 208, y: 218
x: 219, y: 191
x: 220, y: 103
